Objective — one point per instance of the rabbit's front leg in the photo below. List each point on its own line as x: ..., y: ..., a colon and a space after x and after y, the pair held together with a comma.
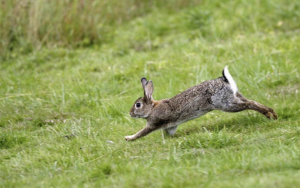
x: 141, y: 133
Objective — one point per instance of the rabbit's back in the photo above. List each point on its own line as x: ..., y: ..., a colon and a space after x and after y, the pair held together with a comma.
x: 202, y: 94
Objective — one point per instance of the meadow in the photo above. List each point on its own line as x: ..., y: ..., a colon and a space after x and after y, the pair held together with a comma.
x: 70, y: 72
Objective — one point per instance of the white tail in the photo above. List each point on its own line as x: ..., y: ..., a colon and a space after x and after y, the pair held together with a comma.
x: 230, y: 80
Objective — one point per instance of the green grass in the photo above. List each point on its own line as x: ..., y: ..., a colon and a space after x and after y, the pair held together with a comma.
x: 26, y: 26
x: 64, y: 110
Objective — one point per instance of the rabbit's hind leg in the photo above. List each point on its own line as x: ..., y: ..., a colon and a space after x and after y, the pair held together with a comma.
x: 242, y: 103
x: 266, y: 111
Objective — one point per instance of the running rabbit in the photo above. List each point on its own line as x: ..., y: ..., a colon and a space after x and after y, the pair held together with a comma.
x: 218, y: 94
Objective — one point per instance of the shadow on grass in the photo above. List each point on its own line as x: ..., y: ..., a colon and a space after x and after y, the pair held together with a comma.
x: 9, y: 141
x: 238, y: 124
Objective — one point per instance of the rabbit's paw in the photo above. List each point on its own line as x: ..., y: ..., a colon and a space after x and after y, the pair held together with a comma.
x: 129, y: 138
x: 272, y: 114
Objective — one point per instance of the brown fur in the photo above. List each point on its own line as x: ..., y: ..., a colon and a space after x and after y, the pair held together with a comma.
x: 167, y: 114
x: 155, y: 103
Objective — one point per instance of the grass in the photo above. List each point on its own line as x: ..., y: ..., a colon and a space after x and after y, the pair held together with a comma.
x: 28, y: 25
x: 64, y: 109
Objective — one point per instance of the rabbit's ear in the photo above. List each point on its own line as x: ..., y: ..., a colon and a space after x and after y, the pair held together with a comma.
x: 148, y: 90
x: 144, y: 82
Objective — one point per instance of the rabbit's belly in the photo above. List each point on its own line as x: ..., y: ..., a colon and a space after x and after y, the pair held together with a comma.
x: 187, y: 116
x: 196, y: 115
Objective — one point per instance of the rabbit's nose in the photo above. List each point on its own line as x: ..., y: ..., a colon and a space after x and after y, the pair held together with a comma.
x: 131, y: 114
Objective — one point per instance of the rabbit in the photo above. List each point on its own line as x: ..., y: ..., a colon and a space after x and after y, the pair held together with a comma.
x: 218, y: 94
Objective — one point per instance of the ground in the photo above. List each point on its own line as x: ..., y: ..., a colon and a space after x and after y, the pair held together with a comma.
x: 65, y: 111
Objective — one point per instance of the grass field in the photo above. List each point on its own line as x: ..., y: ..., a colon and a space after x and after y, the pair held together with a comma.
x: 64, y: 109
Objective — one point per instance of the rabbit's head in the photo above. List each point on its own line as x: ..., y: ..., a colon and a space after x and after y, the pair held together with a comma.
x: 143, y: 105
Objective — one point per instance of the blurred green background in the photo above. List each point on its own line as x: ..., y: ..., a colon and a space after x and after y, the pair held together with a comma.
x: 70, y: 71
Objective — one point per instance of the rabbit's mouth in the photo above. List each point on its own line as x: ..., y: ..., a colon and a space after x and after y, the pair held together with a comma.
x: 134, y: 115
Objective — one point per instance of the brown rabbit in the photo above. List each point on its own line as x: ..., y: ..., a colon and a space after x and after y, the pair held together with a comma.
x: 218, y: 94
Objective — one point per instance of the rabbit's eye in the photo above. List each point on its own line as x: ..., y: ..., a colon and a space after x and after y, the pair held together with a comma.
x: 138, y: 105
